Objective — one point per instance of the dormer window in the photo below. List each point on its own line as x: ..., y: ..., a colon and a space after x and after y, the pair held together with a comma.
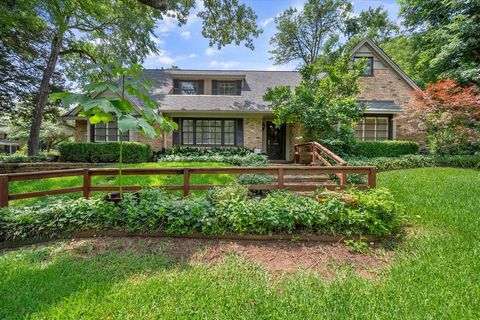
x: 369, y: 65
x: 188, y: 87
x: 227, y: 88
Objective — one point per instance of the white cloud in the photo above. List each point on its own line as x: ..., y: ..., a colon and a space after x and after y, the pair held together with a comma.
x: 185, y: 35
x: 279, y: 68
x: 192, y: 55
x: 164, y: 58
x: 224, y: 64
x: 211, y: 52
x: 267, y: 21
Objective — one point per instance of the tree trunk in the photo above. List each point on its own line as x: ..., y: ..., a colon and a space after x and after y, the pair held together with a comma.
x: 34, y: 138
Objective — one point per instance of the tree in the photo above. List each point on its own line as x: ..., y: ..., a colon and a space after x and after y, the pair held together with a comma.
x: 123, y: 81
x: 324, y: 26
x: 324, y: 99
x: 98, y: 30
x: 448, y: 114
x: 445, y: 39
x: 372, y: 23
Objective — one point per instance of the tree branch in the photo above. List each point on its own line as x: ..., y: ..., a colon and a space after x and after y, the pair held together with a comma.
x: 156, y: 4
x: 81, y: 52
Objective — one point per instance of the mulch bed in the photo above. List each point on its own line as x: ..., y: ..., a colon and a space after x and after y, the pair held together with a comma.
x: 277, y: 256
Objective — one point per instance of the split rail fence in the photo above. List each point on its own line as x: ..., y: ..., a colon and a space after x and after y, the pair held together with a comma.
x: 280, y: 172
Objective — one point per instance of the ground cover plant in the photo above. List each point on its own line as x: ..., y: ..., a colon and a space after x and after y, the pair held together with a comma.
x: 229, y: 209
x: 432, y: 274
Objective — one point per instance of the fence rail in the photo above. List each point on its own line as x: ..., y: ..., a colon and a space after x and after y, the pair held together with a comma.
x: 186, y: 186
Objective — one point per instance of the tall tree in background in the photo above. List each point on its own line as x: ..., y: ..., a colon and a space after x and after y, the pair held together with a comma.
x: 325, y: 26
x: 76, y: 31
x: 441, y: 40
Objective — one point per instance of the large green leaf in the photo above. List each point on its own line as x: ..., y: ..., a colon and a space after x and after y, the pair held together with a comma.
x: 146, y: 128
x: 100, y: 117
x: 127, y: 122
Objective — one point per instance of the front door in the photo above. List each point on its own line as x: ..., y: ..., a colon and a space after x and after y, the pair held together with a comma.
x: 275, y: 141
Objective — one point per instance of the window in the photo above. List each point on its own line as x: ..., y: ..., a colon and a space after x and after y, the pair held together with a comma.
x: 369, y: 65
x: 188, y: 87
x: 373, y: 128
x: 107, y: 132
x: 208, y: 132
x: 227, y: 88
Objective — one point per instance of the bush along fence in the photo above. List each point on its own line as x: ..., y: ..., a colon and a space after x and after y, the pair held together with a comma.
x: 133, y: 152
x: 279, y: 172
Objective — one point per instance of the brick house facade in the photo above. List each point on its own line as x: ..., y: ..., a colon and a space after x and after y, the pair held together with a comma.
x: 226, y: 108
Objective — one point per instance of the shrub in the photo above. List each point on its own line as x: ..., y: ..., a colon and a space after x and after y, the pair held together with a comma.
x: 390, y: 148
x: 255, y: 179
x: 249, y: 160
x: 194, y: 152
x: 417, y: 161
x: 228, y: 209
x: 133, y: 152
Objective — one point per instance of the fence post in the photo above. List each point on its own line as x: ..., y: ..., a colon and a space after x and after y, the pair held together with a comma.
x: 186, y: 182
x: 343, y: 177
x: 280, y: 179
x: 87, y: 183
x: 4, y: 191
x: 372, y: 177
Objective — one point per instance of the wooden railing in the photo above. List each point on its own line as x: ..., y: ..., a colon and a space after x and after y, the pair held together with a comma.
x: 322, y: 154
x: 186, y: 186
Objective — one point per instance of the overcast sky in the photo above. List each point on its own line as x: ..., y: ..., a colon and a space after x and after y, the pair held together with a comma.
x: 186, y: 48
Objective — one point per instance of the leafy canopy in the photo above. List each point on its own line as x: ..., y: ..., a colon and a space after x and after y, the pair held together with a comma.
x: 323, y: 25
x: 324, y: 98
x: 441, y: 40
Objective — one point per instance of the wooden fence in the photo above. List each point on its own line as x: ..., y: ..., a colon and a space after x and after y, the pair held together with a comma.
x: 87, y: 187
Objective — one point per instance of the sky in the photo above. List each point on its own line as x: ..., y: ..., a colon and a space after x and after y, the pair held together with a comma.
x: 186, y: 48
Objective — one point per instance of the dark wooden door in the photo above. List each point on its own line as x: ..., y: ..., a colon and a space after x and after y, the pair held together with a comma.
x: 275, y: 141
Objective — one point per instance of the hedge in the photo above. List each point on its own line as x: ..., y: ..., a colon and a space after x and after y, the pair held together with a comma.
x: 133, y: 152
x: 390, y: 148
x: 417, y: 161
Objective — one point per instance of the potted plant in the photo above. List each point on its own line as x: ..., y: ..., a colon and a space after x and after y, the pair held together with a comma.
x: 108, y: 97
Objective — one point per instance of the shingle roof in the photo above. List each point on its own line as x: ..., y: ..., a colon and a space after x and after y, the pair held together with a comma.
x: 382, y: 106
x: 251, y: 100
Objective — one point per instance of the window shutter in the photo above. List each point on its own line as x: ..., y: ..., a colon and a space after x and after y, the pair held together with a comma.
x: 239, y: 87
x: 92, y: 133
x: 214, y: 87
x: 176, y: 133
x: 176, y: 86
x: 200, y: 84
x: 239, y: 133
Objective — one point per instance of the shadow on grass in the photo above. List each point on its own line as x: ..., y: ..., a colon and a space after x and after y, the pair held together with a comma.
x: 37, y: 280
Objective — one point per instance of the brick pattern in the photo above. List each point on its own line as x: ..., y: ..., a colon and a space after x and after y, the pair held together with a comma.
x: 252, y: 133
x: 155, y: 143
x: 387, y: 85
x: 81, y: 131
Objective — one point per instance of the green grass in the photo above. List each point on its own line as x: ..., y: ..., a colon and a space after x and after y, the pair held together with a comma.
x: 435, y: 273
x: 140, y: 180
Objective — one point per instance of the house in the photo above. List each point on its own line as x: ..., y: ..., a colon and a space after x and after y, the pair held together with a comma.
x: 7, y: 146
x: 226, y: 108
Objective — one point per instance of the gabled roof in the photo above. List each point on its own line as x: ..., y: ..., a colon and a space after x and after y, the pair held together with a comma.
x: 377, y: 50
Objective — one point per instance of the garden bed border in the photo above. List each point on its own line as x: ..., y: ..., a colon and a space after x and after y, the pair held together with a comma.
x: 256, y: 237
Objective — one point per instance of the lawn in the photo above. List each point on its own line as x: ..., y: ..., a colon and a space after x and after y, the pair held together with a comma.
x: 434, y: 275
x: 140, y: 180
